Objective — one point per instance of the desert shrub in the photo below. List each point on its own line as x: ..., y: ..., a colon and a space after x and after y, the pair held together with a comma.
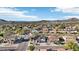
x: 31, y: 47
x: 71, y: 45
x: 1, y: 34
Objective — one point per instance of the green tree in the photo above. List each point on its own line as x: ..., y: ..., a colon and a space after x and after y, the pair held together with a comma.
x: 31, y: 47
x: 61, y: 41
x: 1, y: 34
x: 71, y: 45
x: 62, y: 26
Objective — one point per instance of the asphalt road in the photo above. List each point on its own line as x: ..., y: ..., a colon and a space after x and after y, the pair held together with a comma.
x: 48, y: 47
x: 22, y: 46
x: 8, y: 48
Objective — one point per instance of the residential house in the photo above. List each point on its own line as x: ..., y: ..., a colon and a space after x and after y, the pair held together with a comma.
x: 45, y: 30
x: 52, y: 38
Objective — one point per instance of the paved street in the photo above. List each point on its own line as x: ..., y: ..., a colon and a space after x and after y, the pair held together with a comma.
x: 47, y: 47
x: 8, y: 48
x: 22, y: 46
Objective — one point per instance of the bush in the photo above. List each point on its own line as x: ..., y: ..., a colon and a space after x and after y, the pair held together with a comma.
x: 1, y: 34
x: 62, y: 26
x: 71, y: 45
x: 31, y: 47
x: 76, y: 47
x: 60, y: 41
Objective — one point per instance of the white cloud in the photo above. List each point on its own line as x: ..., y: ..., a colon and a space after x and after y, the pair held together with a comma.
x: 73, y: 10
x: 48, y: 19
x: 13, y: 12
x: 39, y: 3
x: 67, y: 17
x: 55, y: 10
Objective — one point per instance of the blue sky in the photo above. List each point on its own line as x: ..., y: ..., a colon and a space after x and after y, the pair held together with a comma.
x: 37, y: 13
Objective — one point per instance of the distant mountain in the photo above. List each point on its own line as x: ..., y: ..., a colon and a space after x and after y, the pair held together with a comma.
x: 2, y: 21
x: 73, y: 19
x: 68, y: 20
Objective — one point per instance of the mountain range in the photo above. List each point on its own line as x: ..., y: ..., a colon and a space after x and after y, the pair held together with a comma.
x: 2, y: 21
